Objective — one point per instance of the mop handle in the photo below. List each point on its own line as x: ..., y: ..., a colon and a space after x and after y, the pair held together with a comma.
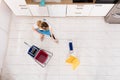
x: 45, y: 20
x: 27, y: 44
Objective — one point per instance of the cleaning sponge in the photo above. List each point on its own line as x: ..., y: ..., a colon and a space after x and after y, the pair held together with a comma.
x: 73, y: 61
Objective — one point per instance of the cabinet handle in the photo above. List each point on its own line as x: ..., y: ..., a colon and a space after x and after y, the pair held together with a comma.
x: 79, y: 8
x: 78, y: 13
x: 98, y: 5
x: 24, y: 8
x: 80, y: 5
x: 22, y: 5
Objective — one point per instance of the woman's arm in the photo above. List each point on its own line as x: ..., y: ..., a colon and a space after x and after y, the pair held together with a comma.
x: 36, y: 31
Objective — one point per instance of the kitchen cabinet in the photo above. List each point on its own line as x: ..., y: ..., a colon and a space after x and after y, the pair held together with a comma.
x: 100, y: 9
x: 57, y: 10
x: 78, y: 10
x: 19, y: 7
x: 37, y: 10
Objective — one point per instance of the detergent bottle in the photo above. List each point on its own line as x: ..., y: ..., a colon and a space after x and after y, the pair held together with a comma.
x: 42, y: 2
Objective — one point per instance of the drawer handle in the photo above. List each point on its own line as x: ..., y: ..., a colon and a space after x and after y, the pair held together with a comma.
x: 80, y: 5
x: 22, y: 5
x: 79, y: 8
x: 98, y: 5
x: 24, y: 8
x: 78, y: 13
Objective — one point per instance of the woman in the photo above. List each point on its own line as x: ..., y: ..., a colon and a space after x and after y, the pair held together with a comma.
x: 44, y: 29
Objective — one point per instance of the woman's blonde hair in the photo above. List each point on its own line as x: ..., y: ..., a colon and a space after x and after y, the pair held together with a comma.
x: 42, y: 25
x: 39, y: 23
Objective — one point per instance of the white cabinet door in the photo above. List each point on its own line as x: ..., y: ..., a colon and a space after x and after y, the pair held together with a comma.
x: 19, y: 7
x: 100, y: 9
x: 37, y: 10
x: 78, y: 10
x: 57, y: 10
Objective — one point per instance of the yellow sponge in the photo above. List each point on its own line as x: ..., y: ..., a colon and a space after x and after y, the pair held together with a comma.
x: 74, y: 61
x: 70, y: 59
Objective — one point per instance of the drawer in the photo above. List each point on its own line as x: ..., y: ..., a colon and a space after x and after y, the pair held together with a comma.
x: 78, y: 10
x: 74, y: 10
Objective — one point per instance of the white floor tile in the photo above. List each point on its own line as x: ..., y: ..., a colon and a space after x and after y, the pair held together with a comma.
x: 96, y: 44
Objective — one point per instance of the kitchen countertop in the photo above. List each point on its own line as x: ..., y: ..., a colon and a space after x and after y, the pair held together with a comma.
x: 30, y: 2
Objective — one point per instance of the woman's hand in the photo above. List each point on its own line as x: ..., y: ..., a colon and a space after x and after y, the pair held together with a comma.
x: 56, y: 41
x: 41, y: 37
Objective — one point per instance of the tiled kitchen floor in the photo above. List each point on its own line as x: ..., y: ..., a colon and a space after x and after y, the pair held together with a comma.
x: 96, y: 44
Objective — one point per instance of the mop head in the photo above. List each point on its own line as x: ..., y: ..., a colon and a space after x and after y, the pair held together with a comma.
x: 74, y: 61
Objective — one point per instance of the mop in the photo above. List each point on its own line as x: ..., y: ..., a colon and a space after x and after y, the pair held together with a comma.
x: 72, y: 59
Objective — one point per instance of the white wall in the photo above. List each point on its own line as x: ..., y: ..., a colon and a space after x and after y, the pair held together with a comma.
x: 5, y: 16
x: 0, y: 1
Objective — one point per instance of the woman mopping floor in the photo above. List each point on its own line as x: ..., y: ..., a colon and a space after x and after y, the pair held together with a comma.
x: 43, y: 28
